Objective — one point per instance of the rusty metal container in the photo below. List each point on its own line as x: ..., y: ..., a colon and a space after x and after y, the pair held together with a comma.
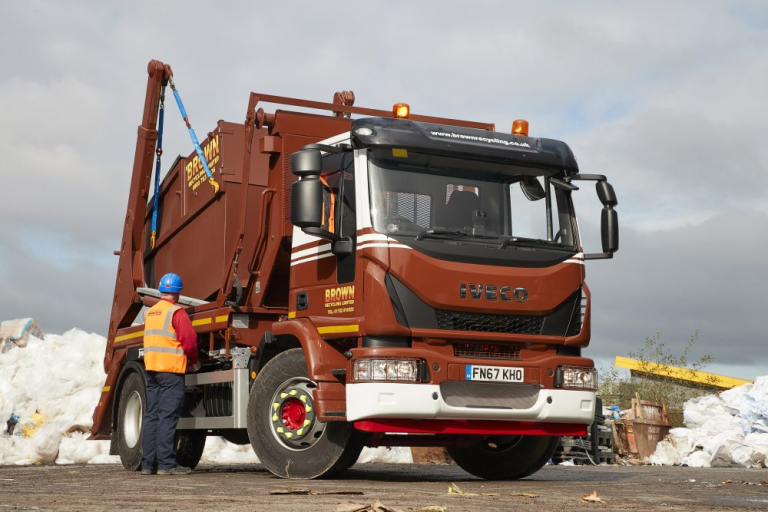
x: 642, y: 428
x: 197, y: 229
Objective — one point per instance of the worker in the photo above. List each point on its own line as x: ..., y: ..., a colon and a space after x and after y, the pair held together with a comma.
x: 170, y: 349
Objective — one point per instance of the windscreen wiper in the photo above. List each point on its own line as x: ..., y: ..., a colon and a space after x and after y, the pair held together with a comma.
x: 528, y: 241
x: 439, y: 233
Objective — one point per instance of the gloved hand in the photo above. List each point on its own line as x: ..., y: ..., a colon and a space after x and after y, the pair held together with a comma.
x: 194, y: 367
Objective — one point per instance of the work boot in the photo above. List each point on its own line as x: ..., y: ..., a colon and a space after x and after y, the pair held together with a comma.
x: 148, y: 471
x: 178, y: 470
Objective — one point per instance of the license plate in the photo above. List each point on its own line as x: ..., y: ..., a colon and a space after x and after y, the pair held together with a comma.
x: 494, y: 373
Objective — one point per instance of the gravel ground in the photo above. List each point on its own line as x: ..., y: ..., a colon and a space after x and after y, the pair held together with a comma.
x: 399, y: 486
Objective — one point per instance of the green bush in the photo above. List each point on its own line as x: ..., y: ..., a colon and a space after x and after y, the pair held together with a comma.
x: 654, y: 356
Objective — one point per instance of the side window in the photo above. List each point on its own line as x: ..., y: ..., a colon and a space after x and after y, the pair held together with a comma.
x: 338, y: 216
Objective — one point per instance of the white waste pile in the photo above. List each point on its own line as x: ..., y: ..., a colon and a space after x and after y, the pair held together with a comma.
x: 725, y: 430
x: 49, y: 388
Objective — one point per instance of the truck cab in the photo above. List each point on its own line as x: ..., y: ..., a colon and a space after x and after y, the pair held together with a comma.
x: 447, y: 262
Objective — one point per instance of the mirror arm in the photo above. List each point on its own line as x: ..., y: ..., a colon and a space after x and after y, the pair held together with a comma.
x: 598, y: 256
x: 322, y: 233
x: 563, y: 184
x: 586, y: 177
x: 341, y: 148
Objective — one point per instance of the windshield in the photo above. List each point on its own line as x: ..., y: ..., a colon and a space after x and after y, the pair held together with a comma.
x: 419, y: 196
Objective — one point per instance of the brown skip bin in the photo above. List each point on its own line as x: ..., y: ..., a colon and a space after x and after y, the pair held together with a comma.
x: 642, y: 428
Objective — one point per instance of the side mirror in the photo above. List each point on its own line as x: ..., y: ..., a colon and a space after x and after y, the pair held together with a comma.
x: 307, y: 193
x: 532, y: 188
x: 609, y: 230
x: 343, y: 246
x: 307, y: 202
x: 609, y: 218
x: 606, y: 194
x: 307, y: 162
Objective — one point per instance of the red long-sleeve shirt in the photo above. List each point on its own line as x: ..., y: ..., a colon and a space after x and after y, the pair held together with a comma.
x: 185, y: 334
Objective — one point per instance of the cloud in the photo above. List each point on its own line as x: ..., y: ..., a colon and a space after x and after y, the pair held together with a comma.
x: 709, y: 277
x: 664, y: 98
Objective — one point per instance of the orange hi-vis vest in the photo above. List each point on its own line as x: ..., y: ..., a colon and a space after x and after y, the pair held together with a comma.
x: 162, y: 351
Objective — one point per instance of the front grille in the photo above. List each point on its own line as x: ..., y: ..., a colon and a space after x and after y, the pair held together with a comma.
x: 486, y: 350
x: 481, y: 322
x: 489, y: 395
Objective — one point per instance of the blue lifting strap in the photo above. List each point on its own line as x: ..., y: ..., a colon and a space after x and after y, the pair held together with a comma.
x: 193, y: 136
x: 159, y: 153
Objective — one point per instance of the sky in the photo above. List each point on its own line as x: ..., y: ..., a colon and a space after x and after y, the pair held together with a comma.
x: 665, y: 98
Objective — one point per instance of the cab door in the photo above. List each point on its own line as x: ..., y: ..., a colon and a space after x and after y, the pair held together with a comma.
x: 323, y: 284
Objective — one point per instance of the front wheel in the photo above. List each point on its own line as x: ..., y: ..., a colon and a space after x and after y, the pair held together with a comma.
x: 283, y: 429
x: 505, y: 457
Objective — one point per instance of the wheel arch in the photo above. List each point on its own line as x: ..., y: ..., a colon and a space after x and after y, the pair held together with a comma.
x: 321, y: 357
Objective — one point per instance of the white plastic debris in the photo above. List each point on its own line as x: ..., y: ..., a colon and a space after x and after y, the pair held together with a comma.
x: 725, y: 430
x: 14, y: 333
x: 382, y: 454
x: 219, y: 450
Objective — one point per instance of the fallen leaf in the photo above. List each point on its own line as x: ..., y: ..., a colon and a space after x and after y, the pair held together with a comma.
x: 729, y: 481
x: 432, y: 508
x: 524, y: 495
x: 490, y: 494
x: 455, y: 489
x: 592, y: 498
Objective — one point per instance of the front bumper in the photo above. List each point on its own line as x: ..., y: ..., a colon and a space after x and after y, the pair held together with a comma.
x: 425, y: 401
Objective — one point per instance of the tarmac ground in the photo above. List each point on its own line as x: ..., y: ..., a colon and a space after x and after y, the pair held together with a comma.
x: 399, y: 487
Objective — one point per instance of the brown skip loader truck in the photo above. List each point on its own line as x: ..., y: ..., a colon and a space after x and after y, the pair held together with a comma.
x: 387, y: 280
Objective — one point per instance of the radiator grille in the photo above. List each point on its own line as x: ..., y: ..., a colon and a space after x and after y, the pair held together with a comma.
x: 486, y: 350
x: 489, y: 395
x: 480, y: 322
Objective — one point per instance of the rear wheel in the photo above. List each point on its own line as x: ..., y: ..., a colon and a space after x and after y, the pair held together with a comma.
x: 189, y: 444
x: 133, y: 399
x: 505, y: 457
x: 284, y: 431
x: 189, y: 447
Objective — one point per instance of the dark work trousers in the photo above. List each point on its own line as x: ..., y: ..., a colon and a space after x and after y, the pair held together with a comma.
x: 165, y: 395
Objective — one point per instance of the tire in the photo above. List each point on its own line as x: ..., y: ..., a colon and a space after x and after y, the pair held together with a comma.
x: 287, y: 437
x: 133, y: 398
x: 235, y: 436
x: 189, y: 447
x: 130, y: 416
x: 506, y: 458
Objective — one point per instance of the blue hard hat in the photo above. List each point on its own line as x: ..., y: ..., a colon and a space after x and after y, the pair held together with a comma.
x: 170, y: 283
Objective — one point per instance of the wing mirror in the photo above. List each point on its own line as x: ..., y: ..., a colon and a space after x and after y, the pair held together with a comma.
x: 609, y: 218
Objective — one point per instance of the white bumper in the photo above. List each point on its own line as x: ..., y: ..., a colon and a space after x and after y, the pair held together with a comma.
x: 424, y: 401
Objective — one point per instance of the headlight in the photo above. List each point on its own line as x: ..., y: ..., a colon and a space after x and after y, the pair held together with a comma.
x: 576, y: 377
x: 386, y: 370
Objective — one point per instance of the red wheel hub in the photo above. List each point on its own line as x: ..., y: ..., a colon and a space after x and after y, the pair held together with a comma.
x: 293, y: 413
